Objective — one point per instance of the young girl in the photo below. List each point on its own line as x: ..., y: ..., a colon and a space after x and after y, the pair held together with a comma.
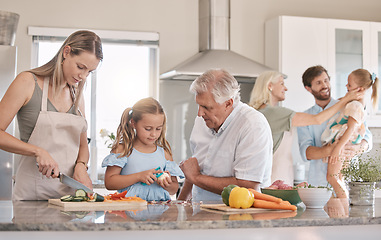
x: 348, y: 127
x: 141, y: 153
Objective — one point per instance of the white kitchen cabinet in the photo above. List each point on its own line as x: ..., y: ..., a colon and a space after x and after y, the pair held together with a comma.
x: 348, y: 49
x: 292, y: 44
x: 295, y: 43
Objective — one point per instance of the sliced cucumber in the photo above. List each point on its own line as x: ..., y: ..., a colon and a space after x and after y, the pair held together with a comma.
x: 81, y: 196
x: 67, y: 198
x: 80, y: 193
x: 79, y: 199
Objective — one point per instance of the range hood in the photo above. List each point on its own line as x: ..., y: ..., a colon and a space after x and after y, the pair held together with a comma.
x: 214, y: 48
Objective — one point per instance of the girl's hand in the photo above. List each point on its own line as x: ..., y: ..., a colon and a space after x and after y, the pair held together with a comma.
x: 165, y: 180
x: 148, y: 177
x: 46, y: 164
x: 169, y: 183
x: 335, y: 155
x: 355, y: 94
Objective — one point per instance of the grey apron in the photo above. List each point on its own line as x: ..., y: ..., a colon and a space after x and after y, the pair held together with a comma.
x: 59, y: 134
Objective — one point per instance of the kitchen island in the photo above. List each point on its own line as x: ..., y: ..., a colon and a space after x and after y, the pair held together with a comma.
x: 22, y: 217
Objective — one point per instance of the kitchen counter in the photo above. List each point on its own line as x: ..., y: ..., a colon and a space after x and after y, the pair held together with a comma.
x: 40, y: 216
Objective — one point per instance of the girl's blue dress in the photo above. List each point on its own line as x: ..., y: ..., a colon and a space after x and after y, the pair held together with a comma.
x: 138, y: 162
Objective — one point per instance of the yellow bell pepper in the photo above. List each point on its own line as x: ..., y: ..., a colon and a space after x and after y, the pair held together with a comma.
x: 241, y: 197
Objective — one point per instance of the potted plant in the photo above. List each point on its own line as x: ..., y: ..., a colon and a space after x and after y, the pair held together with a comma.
x: 362, y: 174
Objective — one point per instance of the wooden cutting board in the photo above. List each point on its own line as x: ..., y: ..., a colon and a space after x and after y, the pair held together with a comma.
x: 97, y: 206
x: 226, y: 209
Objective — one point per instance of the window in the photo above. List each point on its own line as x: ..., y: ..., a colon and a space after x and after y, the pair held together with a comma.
x: 355, y: 50
x: 349, y: 56
x: 128, y: 72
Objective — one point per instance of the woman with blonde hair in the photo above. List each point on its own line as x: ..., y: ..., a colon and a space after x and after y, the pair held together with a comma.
x: 268, y: 92
x: 50, y: 111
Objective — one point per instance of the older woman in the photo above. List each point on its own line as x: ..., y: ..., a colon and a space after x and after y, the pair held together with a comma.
x: 269, y: 90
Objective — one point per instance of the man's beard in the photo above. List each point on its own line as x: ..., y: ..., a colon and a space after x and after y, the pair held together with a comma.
x: 318, y: 96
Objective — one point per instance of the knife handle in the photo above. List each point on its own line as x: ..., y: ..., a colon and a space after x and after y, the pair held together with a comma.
x: 59, y: 174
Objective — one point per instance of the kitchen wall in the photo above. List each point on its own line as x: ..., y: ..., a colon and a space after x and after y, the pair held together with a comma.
x: 175, y: 20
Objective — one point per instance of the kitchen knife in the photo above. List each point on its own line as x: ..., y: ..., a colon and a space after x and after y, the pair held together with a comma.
x: 73, y: 183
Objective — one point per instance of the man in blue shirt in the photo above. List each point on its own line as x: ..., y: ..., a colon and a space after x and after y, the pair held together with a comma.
x: 317, y: 82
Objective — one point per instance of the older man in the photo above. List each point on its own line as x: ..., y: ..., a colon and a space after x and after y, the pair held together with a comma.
x: 231, y: 142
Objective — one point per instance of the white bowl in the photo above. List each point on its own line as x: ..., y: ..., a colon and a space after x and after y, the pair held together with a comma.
x: 314, y: 197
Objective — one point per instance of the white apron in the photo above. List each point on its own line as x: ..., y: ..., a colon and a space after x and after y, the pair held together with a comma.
x: 59, y: 134
x: 283, y: 168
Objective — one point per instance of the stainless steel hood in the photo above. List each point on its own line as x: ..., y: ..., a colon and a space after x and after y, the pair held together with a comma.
x: 214, y: 47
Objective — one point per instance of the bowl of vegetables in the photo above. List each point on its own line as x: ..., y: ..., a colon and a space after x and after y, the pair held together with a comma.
x: 314, y: 197
x: 285, y: 192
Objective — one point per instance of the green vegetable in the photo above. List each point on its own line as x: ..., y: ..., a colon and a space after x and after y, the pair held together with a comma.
x: 67, y: 198
x: 312, y: 186
x: 226, y: 193
x: 81, y: 196
x: 79, y: 199
x: 98, y: 197
x: 80, y: 193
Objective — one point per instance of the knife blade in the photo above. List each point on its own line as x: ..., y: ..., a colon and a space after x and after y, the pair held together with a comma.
x: 73, y: 183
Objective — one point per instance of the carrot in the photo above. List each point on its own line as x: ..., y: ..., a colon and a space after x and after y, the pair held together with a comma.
x: 288, y: 205
x: 262, y: 196
x: 272, y: 205
x: 131, y: 199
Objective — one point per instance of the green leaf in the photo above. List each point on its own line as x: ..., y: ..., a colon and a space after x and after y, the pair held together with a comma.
x: 365, y: 168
